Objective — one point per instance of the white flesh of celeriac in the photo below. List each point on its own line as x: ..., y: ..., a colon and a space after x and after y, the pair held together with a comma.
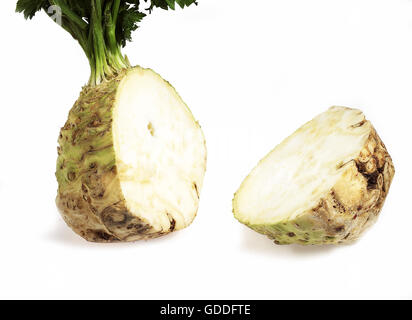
x: 160, y: 151
x: 299, y: 171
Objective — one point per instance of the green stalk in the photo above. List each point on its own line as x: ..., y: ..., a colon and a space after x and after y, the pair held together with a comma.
x: 103, y: 69
x: 115, y: 11
x: 114, y: 52
x: 72, y: 16
x: 97, y: 37
x: 100, y: 26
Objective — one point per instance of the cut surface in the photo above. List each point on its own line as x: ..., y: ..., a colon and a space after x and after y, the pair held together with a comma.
x: 303, y: 168
x: 160, y: 151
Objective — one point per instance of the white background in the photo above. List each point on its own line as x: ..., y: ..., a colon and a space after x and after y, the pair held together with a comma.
x: 252, y: 73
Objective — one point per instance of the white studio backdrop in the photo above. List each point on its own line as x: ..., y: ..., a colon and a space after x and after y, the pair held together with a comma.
x: 252, y: 73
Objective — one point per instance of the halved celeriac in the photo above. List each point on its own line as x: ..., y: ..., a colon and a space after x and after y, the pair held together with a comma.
x: 324, y: 184
x: 131, y: 160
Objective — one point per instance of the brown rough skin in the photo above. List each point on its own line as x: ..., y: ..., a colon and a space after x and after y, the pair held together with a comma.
x: 350, y: 207
x: 89, y: 195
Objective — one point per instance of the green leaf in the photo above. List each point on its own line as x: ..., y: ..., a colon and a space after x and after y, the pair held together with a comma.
x: 171, y: 4
x: 127, y: 22
x: 30, y: 7
x: 130, y: 15
x: 166, y: 4
x: 185, y: 3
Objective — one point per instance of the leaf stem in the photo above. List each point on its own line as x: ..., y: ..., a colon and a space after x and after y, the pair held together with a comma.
x: 71, y: 15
